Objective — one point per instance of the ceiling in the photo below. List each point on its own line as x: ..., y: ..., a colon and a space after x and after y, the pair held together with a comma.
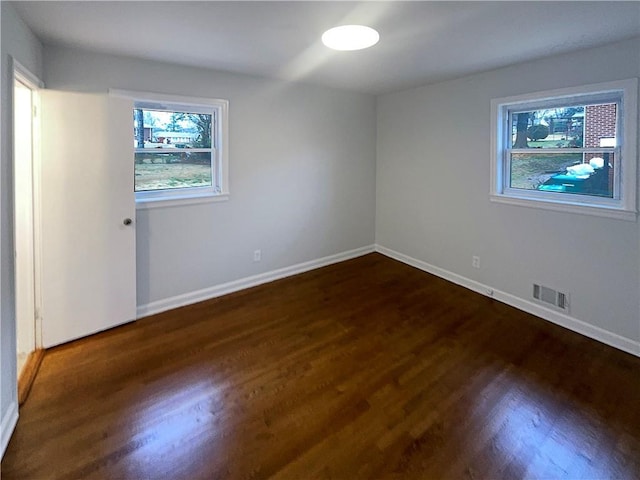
x: 420, y: 42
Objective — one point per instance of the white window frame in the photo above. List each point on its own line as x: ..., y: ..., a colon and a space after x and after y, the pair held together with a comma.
x: 219, y: 108
x: 623, y: 204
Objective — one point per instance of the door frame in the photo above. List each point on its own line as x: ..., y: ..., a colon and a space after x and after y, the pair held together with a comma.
x: 23, y: 75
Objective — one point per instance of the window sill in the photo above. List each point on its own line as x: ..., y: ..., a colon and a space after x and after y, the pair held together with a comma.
x: 567, y: 207
x: 179, y: 201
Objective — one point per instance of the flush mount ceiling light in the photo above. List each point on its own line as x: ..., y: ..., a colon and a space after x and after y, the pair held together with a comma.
x: 350, y: 37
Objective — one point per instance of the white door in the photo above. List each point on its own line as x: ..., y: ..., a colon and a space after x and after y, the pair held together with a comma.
x: 24, y: 220
x: 88, y: 215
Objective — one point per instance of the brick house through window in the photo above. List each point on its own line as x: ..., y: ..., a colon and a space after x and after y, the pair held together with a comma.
x: 600, y: 131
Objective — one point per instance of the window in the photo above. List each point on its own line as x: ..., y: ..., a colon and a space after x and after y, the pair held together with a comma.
x: 570, y: 150
x: 180, y: 149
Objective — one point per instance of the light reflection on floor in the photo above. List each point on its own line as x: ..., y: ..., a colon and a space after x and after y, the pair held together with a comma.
x: 538, y: 434
x: 183, y: 439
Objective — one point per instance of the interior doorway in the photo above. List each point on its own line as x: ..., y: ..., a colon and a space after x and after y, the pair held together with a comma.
x: 26, y: 214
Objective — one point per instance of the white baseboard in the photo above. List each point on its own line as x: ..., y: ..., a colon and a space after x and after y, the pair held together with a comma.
x: 236, y: 285
x: 579, y: 326
x: 9, y: 421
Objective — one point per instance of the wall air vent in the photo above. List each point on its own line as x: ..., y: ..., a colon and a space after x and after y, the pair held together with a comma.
x: 551, y: 297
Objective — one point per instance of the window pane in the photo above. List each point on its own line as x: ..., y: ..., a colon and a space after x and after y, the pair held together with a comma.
x: 161, y: 171
x: 170, y: 129
x: 588, y: 126
x: 561, y: 127
x: 576, y: 173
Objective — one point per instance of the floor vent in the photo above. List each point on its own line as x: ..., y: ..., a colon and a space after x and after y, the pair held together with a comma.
x: 550, y: 296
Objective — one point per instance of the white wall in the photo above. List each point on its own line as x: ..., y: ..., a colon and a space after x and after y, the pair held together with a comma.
x: 17, y: 41
x: 433, y: 195
x: 302, y: 174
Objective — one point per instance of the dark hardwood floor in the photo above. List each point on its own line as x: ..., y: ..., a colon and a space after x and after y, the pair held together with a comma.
x: 364, y: 369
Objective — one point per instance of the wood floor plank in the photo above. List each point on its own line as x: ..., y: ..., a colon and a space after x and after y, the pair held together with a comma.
x: 364, y: 369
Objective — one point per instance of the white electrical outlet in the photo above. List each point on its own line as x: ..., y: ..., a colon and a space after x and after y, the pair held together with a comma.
x: 475, y: 261
x: 257, y: 255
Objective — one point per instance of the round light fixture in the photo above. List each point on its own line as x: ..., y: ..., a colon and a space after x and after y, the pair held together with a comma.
x: 350, y: 37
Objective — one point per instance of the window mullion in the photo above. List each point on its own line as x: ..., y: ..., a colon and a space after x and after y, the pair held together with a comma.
x: 563, y: 150
x: 173, y: 150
